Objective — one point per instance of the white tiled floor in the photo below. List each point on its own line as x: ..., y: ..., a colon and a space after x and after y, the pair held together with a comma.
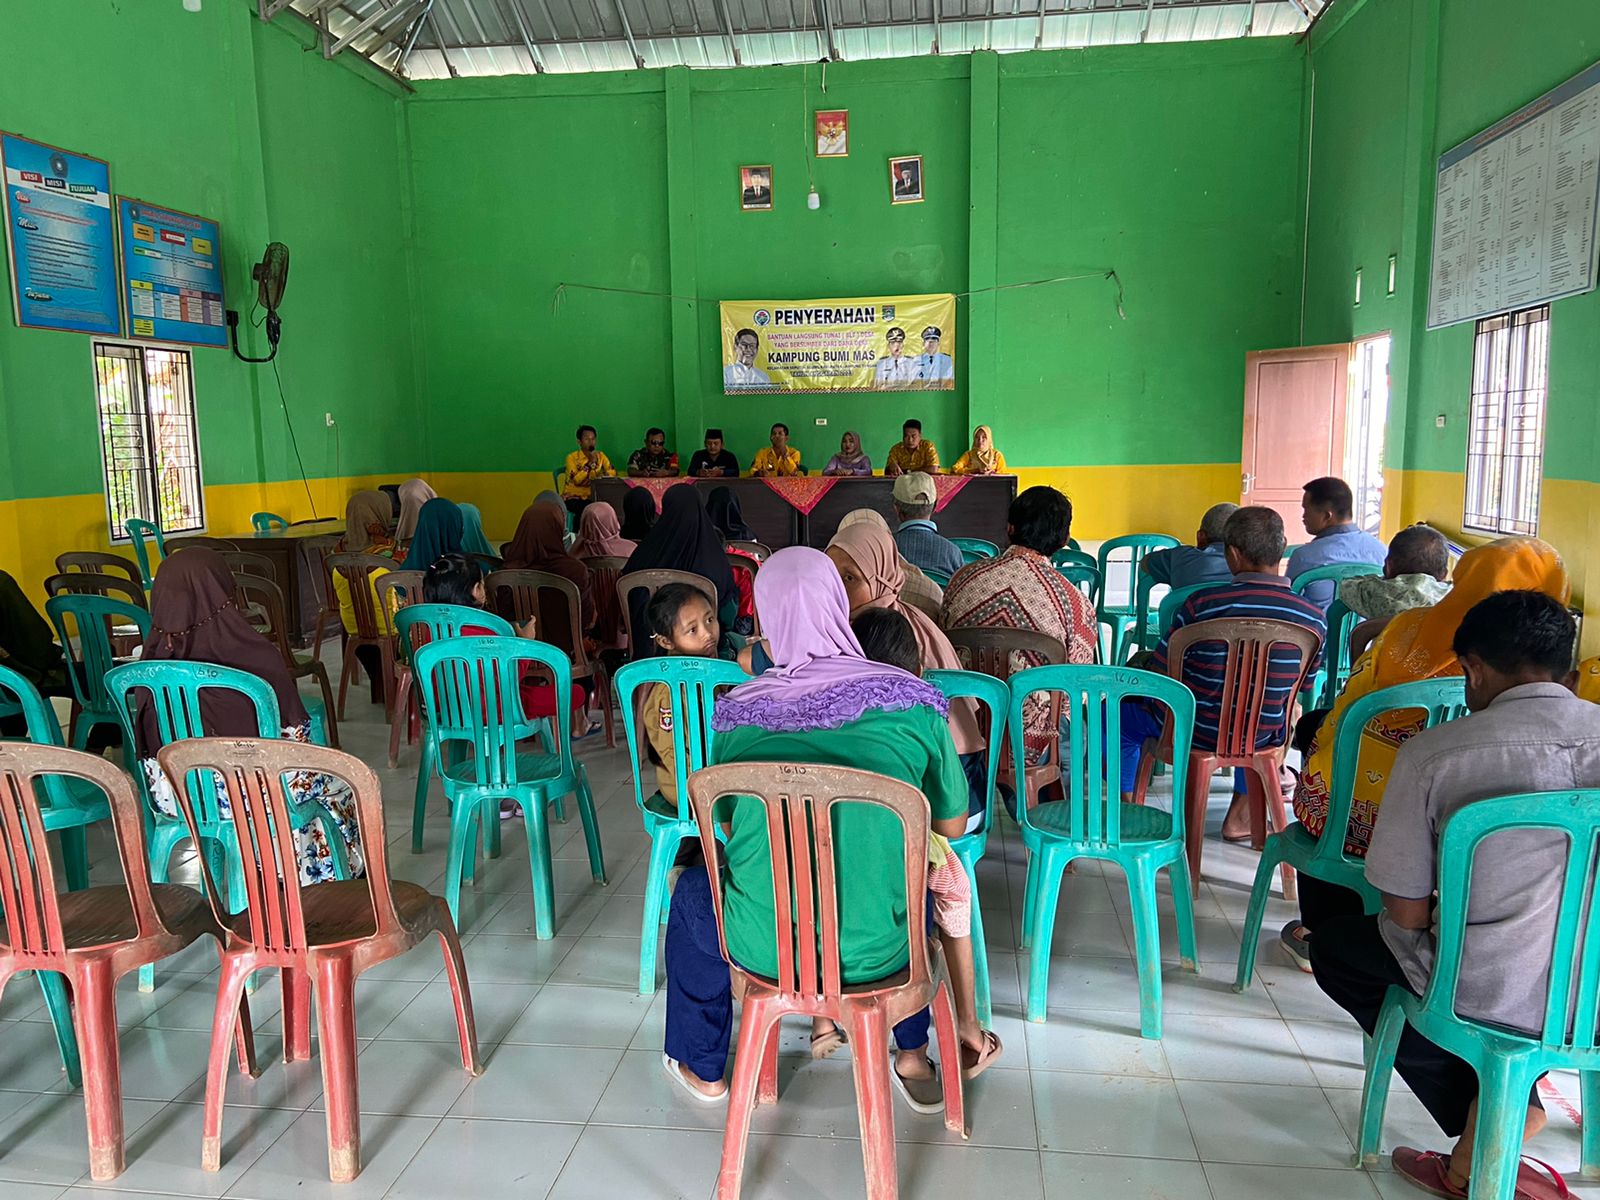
x: 1247, y: 1096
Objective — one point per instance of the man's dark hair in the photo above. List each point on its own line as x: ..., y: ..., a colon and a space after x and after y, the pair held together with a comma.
x: 583, y: 429
x: 912, y: 424
x: 886, y: 637
x: 742, y: 332
x: 782, y: 426
x: 1256, y: 533
x: 1420, y: 550
x: 652, y: 431
x: 1332, y: 493
x: 450, y: 580
x: 1518, y: 632
x: 661, y: 614
x: 1040, y: 519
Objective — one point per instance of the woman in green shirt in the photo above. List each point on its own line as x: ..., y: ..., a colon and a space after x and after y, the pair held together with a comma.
x: 823, y: 702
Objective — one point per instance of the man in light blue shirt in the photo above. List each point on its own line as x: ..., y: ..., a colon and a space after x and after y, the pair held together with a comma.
x: 917, y: 537
x: 1203, y: 562
x: 1327, y: 511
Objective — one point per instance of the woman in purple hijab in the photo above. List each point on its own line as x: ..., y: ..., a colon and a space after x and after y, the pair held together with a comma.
x: 823, y: 702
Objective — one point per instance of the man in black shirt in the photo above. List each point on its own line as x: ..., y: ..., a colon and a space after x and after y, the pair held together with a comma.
x: 713, y: 462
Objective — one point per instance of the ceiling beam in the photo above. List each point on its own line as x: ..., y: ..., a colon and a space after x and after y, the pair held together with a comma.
x: 522, y: 30
x: 627, y: 33
x: 267, y: 9
x: 380, y: 18
x: 726, y: 20
x: 827, y: 25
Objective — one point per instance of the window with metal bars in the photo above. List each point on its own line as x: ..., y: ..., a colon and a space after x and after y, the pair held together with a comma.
x: 1505, y: 433
x: 149, y: 442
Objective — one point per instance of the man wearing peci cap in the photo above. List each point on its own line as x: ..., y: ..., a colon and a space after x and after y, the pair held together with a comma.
x: 918, y: 537
x: 714, y: 462
x: 933, y: 367
x: 895, y: 369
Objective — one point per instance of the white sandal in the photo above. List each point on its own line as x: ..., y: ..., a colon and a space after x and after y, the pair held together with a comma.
x: 675, y: 1073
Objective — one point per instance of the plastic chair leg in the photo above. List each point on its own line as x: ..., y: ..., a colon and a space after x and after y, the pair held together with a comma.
x: 1250, y: 935
x: 1589, y: 1083
x: 1380, y: 1052
x: 164, y: 839
x: 753, y: 1023
x: 1183, y: 911
x: 1267, y: 772
x: 591, y: 829
x: 327, y: 706
x: 296, y: 1014
x: 944, y: 1028
x: 402, y: 715
x: 230, y: 995
x: 75, y: 856
x: 767, y: 1080
x: 463, y: 827
x: 1146, y: 943
x: 419, y: 810
x: 349, y: 666
x: 663, y: 850
x: 1194, y: 821
x: 869, y: 1031
x: 336, y: 1025
x: 982, y: 1000
x: 1503, y: 1085
x: 544, y: 894
x: 1030, y: 900
x: 96, y: 1016
x: 1050, y: 863
x: 455, y: 967
x: 60, y: 1010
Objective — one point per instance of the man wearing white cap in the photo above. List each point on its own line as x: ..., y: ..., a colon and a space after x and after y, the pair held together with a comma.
x: 918, y: 537
x: 933, y: 367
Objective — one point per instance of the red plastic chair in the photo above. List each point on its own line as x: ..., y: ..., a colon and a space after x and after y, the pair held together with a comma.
x: 799, y: 801
x: 1250, y: 643
x: 604, y: 572
x: 324, y: 935
x: 372, y: 625
x: 96, y: 935
x: 396, y: 590
x: 556, y: 603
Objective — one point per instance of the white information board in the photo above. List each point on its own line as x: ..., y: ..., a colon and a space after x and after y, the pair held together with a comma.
x: 1515, y: 209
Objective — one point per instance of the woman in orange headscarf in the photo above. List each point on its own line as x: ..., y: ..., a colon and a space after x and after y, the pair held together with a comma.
x: 1415, y: 645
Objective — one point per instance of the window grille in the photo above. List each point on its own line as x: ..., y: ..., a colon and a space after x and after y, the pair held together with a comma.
x: 149, y: 442
x: 1505, y: 434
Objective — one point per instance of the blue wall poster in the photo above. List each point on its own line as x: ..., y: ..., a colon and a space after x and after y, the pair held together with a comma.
x: 171, y: 274
x: 58, y: 230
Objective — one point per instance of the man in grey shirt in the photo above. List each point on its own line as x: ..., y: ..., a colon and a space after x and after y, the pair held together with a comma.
x: 1527, y: 732
x: 1203, y: 562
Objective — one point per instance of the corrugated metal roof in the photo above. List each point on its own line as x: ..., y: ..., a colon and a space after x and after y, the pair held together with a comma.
x: 435, y: 39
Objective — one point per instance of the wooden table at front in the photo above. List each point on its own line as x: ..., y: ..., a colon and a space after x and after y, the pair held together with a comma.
x: 977, y: 510
x: 296, y: 552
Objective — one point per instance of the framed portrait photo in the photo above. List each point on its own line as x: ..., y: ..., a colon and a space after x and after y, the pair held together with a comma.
x: 905, y: 179
x: 833, y: 133
x: 755, y: 188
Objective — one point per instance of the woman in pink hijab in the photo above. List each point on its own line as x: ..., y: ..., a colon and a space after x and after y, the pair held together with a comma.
x: 600, y: 534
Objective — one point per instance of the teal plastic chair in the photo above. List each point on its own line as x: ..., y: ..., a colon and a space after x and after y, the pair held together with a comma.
x: 175, y: 690
x: 1093, y: 821
x: 470, y: 693
x: 1336, y: 652
x: 1335, y: 573
x: 439, y: 621
x: 1172, y: 602
x: 139, y: 534
x: 266, y: 522
x: 693, y: 683
x: 972, y: 549
x: 1507, y: 1062
x: 1082, y: 572
x: 69, y: 805
x: 994, y: 695
x: 938, y: 577
x: 1120, y: 617
x: 1324, y: 857
x: 92, y: 656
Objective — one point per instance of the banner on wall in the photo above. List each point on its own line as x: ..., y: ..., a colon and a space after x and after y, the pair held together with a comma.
x: 172, y: 274
x: 58, y: 227
x: 857, y: 344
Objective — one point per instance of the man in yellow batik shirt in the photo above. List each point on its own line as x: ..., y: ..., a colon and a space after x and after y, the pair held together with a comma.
x: 780, y: 458
x: 584, y: 466
x: 912, y: 452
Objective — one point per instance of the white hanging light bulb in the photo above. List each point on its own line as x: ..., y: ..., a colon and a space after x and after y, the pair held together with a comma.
x: 191, y: 5
x: 813, y: 201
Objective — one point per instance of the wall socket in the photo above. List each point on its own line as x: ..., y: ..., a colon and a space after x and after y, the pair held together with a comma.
x: 1438, y: 422
x: 327, y: 419
x: 822, y: 420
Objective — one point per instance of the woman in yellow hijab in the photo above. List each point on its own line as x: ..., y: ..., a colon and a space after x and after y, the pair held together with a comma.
x: 1414, y: 645
x: 983, y: 458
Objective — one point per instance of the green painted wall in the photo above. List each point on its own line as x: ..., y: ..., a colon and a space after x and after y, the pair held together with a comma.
x: 1397, y: 83
x: 214, y: 113
x: 1178, y: 166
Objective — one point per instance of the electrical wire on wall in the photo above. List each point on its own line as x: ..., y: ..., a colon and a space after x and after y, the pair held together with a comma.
x: 288, y: 423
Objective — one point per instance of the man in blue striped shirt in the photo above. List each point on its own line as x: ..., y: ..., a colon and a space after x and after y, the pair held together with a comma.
x: 1254, y: 542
